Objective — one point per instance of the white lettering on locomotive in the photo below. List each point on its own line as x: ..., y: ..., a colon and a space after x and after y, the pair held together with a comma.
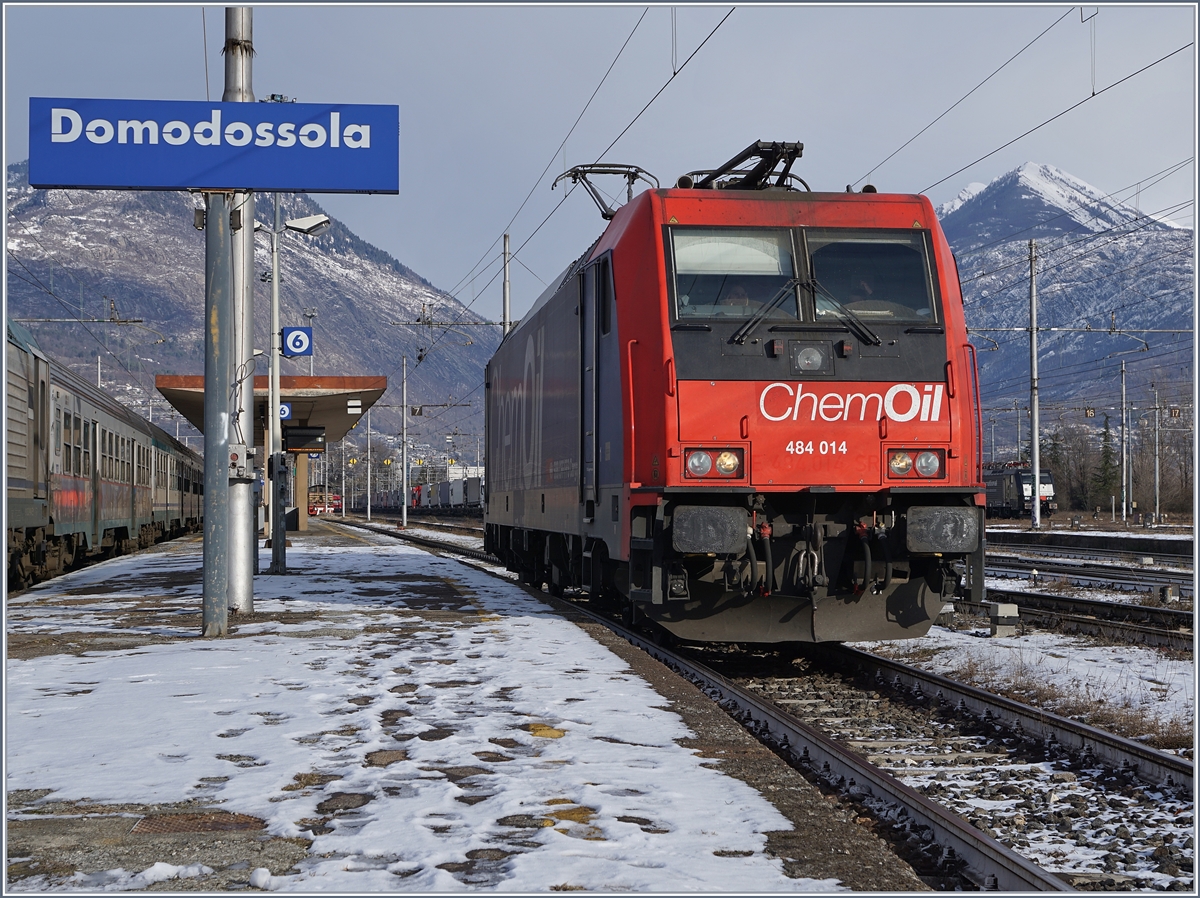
x: 901, y: 402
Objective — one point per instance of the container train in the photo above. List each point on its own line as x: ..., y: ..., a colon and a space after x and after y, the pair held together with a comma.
x: 749, y: 413
x: 1010, y: 491
x: 86, y: 477
x: 465, y: 494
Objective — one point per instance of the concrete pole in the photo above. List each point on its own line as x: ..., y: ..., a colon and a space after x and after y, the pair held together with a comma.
x: 507, y: 320
x: 1017, y: 409
x: 404, y: 437
x: 368, y: 464
x: 1157, y: 512
x: 218, y: 276
x: 344, y: 497
x: 1124, y: 460
x: 1035, y: 431
x: 275, y: 505
x: 239, y: 53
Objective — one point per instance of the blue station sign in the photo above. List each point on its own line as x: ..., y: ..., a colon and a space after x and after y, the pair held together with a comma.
x: 179, y: 145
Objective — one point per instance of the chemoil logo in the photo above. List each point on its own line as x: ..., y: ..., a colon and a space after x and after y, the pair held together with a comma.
x: 900, y: 402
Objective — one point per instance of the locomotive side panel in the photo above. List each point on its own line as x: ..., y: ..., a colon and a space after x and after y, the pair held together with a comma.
x: 533, y: 428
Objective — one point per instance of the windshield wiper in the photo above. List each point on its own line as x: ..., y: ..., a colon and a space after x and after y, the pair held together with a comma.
x: 856, y: 324
x: 740, y: 335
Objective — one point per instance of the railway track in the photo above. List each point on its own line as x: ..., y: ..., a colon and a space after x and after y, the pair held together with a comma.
x: 990, y: 762
x: 462, y: 525
x: 1137, y: 624
x: 1080, y: 573
x: 1086, y: 553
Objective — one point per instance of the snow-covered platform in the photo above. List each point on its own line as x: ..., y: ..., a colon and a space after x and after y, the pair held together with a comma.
x: 385, y: 720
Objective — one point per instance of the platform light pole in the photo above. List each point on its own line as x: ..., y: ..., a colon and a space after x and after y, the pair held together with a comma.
x: 312, y: 225
x: 243, y: 538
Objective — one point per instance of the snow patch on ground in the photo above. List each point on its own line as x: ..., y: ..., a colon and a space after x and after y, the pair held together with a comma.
x: 512, y: 729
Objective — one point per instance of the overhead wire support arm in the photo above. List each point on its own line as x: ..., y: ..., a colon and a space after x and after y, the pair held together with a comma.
x: 631, y: 173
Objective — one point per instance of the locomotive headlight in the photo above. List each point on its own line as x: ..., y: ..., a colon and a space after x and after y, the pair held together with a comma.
x: 810, y: 358
x: 728, y: 463
x: 927, y: 464
x: 900, y: 463
x: 699, y: 463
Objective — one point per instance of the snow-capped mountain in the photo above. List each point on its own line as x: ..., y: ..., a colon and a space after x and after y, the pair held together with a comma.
x: 1100, y: 264
x: 136, y: 255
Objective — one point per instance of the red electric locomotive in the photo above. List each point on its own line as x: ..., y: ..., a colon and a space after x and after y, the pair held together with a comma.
x: 749, y: 412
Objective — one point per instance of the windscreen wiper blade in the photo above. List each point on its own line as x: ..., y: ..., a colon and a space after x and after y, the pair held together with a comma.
x: 740, y: 335
x: 856, y: 324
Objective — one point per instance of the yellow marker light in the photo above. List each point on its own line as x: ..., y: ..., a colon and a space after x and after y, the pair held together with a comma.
x: 728, y: 463
x: 900, y: 463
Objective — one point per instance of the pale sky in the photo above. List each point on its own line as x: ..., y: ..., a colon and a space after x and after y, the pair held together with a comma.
x: 488, y: 93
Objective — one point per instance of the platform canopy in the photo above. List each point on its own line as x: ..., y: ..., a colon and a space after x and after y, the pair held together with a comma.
x: 327, y: 402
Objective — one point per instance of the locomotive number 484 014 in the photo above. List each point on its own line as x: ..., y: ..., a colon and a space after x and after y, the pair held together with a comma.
x: 824, y: 447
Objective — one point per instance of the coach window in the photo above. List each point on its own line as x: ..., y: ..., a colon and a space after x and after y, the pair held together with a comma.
x: 880, y: 276
x: 733, y: 272
x: 63, y: 433
x: 78, y: 440
x: 87, y: 448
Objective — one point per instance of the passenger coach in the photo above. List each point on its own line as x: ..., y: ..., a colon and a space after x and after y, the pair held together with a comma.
x: 749, y: 412
x: 87, y: 478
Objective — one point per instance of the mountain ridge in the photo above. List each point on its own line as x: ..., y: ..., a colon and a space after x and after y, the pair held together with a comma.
x: 136, y: 255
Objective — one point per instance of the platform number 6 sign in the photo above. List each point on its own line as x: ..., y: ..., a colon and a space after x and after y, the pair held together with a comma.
x: 297, y: 341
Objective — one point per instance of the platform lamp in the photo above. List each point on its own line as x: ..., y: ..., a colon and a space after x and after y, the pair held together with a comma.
x: 312, y: 226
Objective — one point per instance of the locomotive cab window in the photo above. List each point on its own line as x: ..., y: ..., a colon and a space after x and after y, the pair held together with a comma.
x: 880, y: 276
x: 733, y: 272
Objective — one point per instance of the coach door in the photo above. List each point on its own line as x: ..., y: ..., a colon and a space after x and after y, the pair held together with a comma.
x: 91, y: 463
x: 587, y: 418
x: 41, y: 429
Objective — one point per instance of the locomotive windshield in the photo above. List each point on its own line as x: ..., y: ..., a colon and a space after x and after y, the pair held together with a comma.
x: 732, y: 272
x: 879, y: 276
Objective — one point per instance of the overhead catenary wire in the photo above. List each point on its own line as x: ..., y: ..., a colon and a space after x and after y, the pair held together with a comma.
x: 473, y: 274
x: 34, y: 281
x: 558, y: 149
x: 1058, y: 115
x: 951, y: 108
x: 623, y: 131
x: 667, y: 84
